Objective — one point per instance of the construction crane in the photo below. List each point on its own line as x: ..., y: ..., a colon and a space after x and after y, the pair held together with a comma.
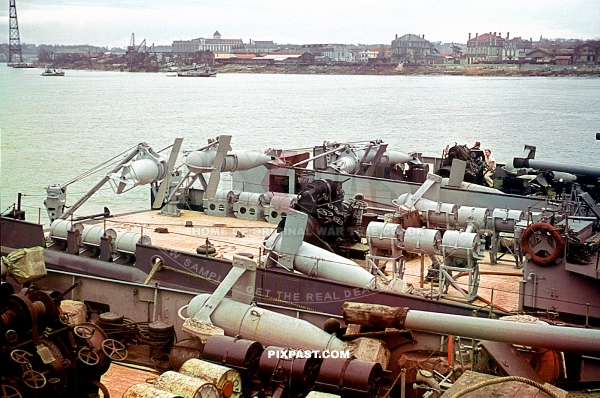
x: 14, y: 46
x: 140, y: 57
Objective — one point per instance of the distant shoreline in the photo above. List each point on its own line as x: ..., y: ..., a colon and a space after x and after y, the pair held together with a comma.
x: 392, y: 70
x: 516, y: 70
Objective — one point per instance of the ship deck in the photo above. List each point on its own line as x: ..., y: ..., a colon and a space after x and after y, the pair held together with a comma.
x: 228, y: 235
x: 499, y: 283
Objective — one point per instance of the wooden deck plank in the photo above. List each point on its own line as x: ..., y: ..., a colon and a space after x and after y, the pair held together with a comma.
x: 225, y: 233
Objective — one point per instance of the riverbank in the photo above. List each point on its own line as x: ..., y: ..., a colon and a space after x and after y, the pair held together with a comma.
x: 389, y: 69
x: 378, y: 69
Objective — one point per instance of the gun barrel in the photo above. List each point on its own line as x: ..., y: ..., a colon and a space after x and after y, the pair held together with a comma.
x: 553, y: 337
x: 552, y: 166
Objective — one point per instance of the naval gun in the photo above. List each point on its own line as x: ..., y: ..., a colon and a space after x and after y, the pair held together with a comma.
x: 564, y: 176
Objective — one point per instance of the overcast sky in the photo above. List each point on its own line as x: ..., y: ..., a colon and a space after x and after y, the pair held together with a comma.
x: 111, y: 22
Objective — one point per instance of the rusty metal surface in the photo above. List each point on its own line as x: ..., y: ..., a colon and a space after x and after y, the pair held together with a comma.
x: 141, y: 390
x: 227, y: 380
x: 186, y: 386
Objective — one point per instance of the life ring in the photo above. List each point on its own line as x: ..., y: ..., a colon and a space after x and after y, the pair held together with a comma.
x: 558, y: 241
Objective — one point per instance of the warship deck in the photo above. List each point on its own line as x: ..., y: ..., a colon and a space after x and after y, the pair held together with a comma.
x: 499, y: 283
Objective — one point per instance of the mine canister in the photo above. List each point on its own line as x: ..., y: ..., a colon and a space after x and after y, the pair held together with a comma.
x: 186, y: 386
x: 227, y: 380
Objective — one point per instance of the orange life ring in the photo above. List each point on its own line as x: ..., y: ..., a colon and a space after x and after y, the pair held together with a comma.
x: 547, y: 228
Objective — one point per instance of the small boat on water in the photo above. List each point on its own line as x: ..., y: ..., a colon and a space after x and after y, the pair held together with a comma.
x: 21, y: 65
x: 53, y: 72
x: 204, y: 72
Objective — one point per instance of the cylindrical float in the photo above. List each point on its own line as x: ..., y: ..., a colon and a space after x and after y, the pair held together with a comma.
x: 477, y: 215
x: 279, y: 205
x: 186, y: 386
x: 227, y: 380
x: 60, y: 228
x: 438, y: 214
x: 142, y: 390
x: 92, y: 235
x: 249, y: 206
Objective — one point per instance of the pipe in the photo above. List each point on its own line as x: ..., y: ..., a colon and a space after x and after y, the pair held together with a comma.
x: 552, y: 166
x: 559, y: 338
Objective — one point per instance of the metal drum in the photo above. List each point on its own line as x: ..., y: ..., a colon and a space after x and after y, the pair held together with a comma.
x: 386, y: 236
x: 350, y: 377
x: 184, y: 350
x: 126, y: 242
x: 240, y: 354
x: 298, y: 374
x: 459, y: 244
x: 249, y: 206
x: 142, y: 390
x: 477, y: 215
x: 504, y: 220
x: 227, y: 380
x: 186, y: 386
x: 422, y: 240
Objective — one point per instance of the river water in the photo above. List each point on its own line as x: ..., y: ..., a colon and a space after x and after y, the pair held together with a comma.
x: 55, y: 128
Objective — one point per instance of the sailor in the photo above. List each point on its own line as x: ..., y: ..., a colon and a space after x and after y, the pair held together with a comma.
x: 476, y: 152
x: 477, y: 157
x: 490, y: 164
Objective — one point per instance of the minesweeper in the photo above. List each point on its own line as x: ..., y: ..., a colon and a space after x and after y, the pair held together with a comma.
x: 348, y: 248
